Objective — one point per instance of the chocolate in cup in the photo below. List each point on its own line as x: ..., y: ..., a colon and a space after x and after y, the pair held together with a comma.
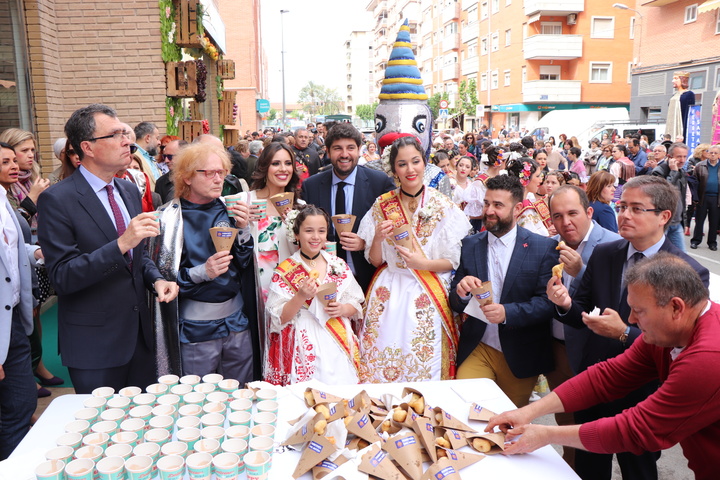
x: 326, y: 293
x: 343, y: 223
x: 402, y: 236
x: 483, y: 294
x: 223, y: 238
x: 283, y: 202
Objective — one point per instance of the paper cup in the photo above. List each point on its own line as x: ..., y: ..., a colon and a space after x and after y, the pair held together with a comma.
x: 139, y: 467
x: 78, y: 426
x: 262, y: 430
x: 194, y: 398
x: 402, y: 236
x: 266, y: 394
x: 213, y: 378
x: 226, y: 466
x: 147, y: 449
x: 189, y: 436
x: 257, y: 465
x: 241, y: 405
x: 63, y: 453
x: 215, y: 408
x: 331, y: 248
x: 106, y: 426
x: 243, y: 393
x: 111, y: 468
x: 218, y: 396
x: 89, y: 414
x: 121, y: 450
x: 199, y: 466
x: 191, y: 410
x: 157, y: 435
x: 157, y: 389
x: 174, y: 448
x: 169, y: 380
x: 241, y: 432
x: 145, y: 399
x: 343, y: 223
x: 116, y: 415
x: 80, y: 469
x: 72, y: 440
x: 165, y: 411
x: 51, y: 470
x: 264, y: 418
x: 326, y: 293
x: 135, y: 425
x: 217, y: 433
x: 191, y: 380
x: 171, y: 467
x: 143, y: 412
x: 223, y: 238
x: 207, y: 445
x: 260, y: 207
x: 205, y: 387
x: 162, y: 422
x: 130, y: 439
x: 268, y: 406
x: 187, y: 422
x: 231, y: 200
x: 283, y: 202
x: 228, y: 385
x: 123, y: 403
x: 98, y: 439
x: 261, y: 444
x: 212, y: 419
x: 181, y: 389
x: 104, y: 392
x: 130, y: 392
x: 239, y: 418
x: 95, y: 402
x: 92, y: 452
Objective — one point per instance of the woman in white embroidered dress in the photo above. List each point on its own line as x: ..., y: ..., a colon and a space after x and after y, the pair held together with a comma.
x: 321, y: 341
x: 531, y: 177
x: 409, y: 332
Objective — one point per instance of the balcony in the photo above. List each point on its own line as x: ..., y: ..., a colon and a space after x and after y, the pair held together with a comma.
x: 469, y: 3
x: 470, y: 32
x: 553, y: 47
x: 451, y: 12
x: 553, y: 7
x: 536, y: 91
x: 470, y: 65
x: 451, y: 72
x: 451, y: 42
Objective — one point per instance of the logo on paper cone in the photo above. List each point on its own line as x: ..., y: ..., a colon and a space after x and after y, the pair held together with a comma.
x: 322, y: 395
x: 332, y: 410
x: 478, y: 408
x: 404, y: 442
x: 483, y: 295
x: 402, y: 235
x: 444, y: 473
x: 330, y: 296
x: 328, y: 464
x: 456, y: 435
x: 223, y: 234
x: 379, y: 457
x: 363, y: 421
x: 304, y: 430
x: 315, y: 447
x: 282, y: 203
x: 429, y: 427
x: 343, y: 220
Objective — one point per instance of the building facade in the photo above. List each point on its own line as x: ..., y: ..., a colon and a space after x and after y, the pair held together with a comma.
x: 666, y: 28
x: 359, y: 71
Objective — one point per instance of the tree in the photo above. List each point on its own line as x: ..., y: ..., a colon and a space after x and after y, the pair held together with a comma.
x: 366, y: 111
x: 467, y: 99
x: 434, y: 103
x: 319, y: 99
x: 271, y: 115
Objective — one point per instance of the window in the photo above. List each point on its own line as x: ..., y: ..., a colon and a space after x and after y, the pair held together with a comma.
x: 602, y: 27
x: 691, y: 13
x: 632, y: 28
x: 472, y: 50
x: 472, y: 14
x: 600, y: 72
x: 483, y: 46
x: 717, y: 23
x: 697, y: 80
x: 483, y: 82
x: 523, y: 76
x: 551, y: 28
x: 495, y: 6
x: 495, y: 41
x: 451, y: 28
x: 484, y: 10
x: 507, y: 37
x: 549, y: 72
x: 494, y: 80
x: 630, y: 67
x: 717, y: 78
x: 507, y: 78
x: 508, y: 3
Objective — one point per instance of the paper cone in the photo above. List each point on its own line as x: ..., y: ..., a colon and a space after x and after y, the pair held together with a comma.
x: 343, y: 223
x: 223, y: 238
x: 496, y: 439
x: 313, y: 397
x: 405, y: 450
x: 446, y: 420
x: 378, y: 463
x: 479, y: 413
x: 455, y: 437
x: 419, y: 404
x: 483, y: 294
x: 460, y: 459
x: 361, y: 426
x: 442, y: 469
x: 403, y: 236
x: 361, y: 401
x: 317, y: 450
x: 283, y: 202
x: 326, y: 467
x: 426, y: 433
x: 303, y: 433
x: 339, y: 410
x: 326, y: 293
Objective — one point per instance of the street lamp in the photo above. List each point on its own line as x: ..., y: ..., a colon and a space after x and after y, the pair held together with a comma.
x: 282, y: 57
x: 622, y: 6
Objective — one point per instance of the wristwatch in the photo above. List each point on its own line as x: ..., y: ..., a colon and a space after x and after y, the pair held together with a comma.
x: 623, y: 338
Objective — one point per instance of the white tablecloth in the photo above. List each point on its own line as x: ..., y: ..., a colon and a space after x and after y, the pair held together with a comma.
x: 455, y: 396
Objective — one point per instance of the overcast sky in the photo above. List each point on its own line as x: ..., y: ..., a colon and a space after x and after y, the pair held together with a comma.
x: 315, y: 32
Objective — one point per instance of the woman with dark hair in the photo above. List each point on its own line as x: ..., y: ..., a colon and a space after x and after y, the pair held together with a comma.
x: 311, y: 326
x: 591, y: 156
x: 494, y: 160
x: 623, y: 168
x: 471, y: 143
x: 600, y: 192
x: 540, y: 157
x: 69, y: 162
x: 535, y: 215
x: 413, y: 235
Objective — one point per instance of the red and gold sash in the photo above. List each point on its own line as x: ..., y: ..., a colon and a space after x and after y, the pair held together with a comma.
x: 541, y: 208
x: 483, y: 177
x: 390, y: 203
x: 292, y: 273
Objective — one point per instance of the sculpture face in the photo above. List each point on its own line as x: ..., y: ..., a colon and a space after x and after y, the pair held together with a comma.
x: 398, y: 119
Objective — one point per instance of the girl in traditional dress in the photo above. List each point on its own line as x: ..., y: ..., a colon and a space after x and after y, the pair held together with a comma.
x: 460, y: 182
x: 318, y: 340
x: 409, y: 332
x: 535, y: 214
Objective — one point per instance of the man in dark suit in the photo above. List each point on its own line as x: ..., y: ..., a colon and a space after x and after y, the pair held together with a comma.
x: 347, y: 188
x: 306, y: 153
x: 513, y: 344
x: 646, y: 207
x: 93, y: 232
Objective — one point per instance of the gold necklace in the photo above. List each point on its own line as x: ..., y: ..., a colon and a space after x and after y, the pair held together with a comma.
x: 412, y: 205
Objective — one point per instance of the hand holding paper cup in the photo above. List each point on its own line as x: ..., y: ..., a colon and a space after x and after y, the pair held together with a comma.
x: 283, y: 202
x: 223, y: 238
x: 343, y: 223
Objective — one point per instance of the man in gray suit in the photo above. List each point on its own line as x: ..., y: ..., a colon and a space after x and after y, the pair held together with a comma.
x: 571, y: 214
x: 18, y: 396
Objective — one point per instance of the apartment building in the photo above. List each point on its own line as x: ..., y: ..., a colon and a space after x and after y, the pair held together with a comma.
x: 676, y: 35
x: 359, y: 72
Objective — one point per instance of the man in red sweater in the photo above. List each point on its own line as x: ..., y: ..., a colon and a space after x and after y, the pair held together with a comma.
x: 680, y: 327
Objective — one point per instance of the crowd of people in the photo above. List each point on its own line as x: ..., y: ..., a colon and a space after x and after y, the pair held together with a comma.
x: 126, y: 226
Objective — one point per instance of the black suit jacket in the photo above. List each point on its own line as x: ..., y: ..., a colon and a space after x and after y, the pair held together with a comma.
x: 101, y: 302
x: 601, y: 287
x: 526, y: 335
x: 369, y: 184
x: 309, y: 157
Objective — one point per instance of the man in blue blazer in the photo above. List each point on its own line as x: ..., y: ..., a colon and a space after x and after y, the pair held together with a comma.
x: 514, y: 345
x: 93, y: 234
x: 18, y: 395
x: 360, y: 187
x: 646, y: 208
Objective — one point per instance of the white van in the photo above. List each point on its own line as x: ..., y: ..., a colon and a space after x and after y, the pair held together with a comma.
x: 615, y: 130
x: 581, y: 123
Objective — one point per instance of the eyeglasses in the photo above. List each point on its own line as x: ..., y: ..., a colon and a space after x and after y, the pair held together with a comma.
x: 212, y: 173
x: 169, y: 156
x: 635, y: 210
x: 116, y: 136
x: 133, y: 148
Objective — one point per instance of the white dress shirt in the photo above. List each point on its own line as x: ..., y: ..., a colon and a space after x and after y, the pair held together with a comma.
x: 500, y: 251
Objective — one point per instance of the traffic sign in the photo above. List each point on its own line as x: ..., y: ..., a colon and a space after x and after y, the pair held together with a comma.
x: 443, y: 113
x: 444, y: 105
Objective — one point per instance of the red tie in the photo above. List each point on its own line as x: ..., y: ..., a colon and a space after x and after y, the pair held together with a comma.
x: 117, y: 214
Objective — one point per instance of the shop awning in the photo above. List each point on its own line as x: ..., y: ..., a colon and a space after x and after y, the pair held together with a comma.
x: 709, y: 6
